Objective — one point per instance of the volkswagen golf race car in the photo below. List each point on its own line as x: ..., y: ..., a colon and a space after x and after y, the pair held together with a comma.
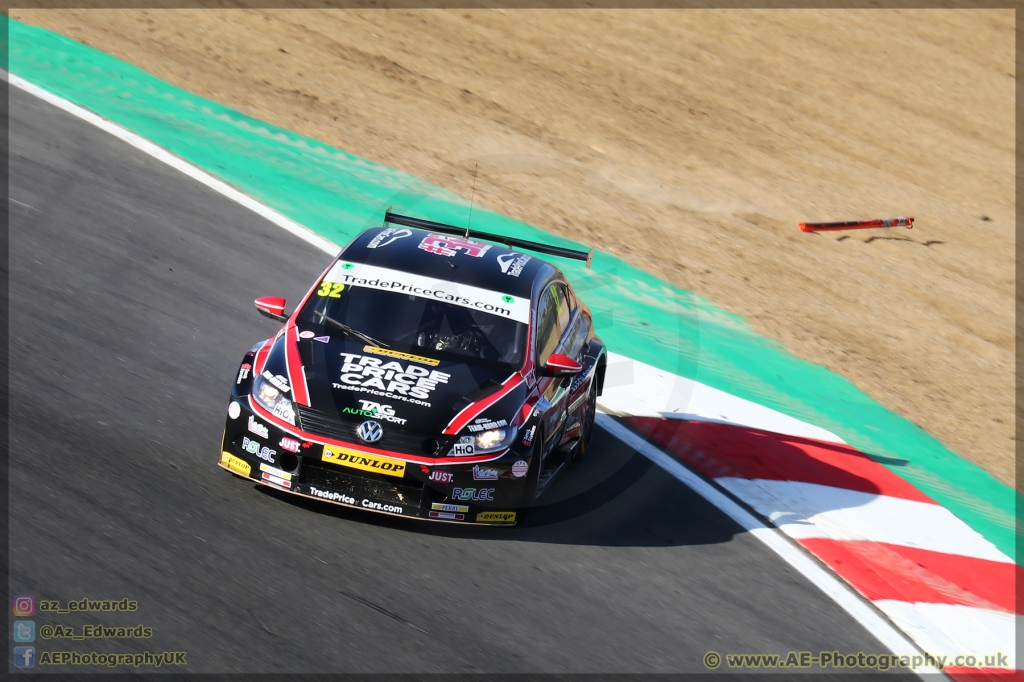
x: 426, y: 374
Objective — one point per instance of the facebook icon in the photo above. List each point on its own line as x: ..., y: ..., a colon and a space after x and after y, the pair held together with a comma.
x: 24, y: 657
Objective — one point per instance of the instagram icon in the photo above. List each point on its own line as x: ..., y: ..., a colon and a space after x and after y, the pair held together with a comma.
x: 24, y: 605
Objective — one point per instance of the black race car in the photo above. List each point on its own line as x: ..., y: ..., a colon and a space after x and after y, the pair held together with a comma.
x: 426, y: 374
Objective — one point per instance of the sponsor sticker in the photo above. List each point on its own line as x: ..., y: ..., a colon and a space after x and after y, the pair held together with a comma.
x: 520, y: 468
x: 257, y: 428
x: 376, y: 410
x: 388, y: 236
x: 306, y: 335
x: 464, y: 295
x: 444, y: 506
x: 276, y: 480
x: 486, y: 424
x: 401, y: 356
x: 391, y: 377
x: 274, y: 471
x: 289, y: 444
x: 243, y: 373
x: 512, y: 264
x: 234, y: 410
x: 484, y: 474
x: 448, y: 245
x: 363, y: 461
x: 441, y: 476
x: 477, y: 495
x: 236, y: 464
x: 446, y: 515
x: 331, y: 495
x: 496, y: 517
x: 462, y: 449
x: 528, y: 437
x: 322, y: 339
x: 261, y: 451
x: 381, y: 506
x: 277, y: 381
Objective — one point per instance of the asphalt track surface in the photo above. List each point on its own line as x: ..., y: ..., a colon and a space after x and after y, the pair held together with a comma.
x: 131, y: 290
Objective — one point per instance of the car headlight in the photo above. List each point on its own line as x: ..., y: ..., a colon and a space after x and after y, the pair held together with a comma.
x: 483, y: 442
x: 272, y: 398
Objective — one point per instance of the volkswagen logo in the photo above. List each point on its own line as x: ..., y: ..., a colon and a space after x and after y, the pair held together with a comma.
x: 370, y: 431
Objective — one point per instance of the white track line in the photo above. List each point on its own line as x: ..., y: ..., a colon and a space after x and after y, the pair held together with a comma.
x: 826, y: 582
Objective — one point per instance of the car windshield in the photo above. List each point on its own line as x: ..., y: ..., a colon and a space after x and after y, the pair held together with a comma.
x: 408, y: 323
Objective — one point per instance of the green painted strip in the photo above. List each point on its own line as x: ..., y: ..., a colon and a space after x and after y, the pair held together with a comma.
x: 336, y: 194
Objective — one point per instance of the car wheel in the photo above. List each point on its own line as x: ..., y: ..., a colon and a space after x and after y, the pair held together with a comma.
x: 587, y: 429
x: 529, y: 497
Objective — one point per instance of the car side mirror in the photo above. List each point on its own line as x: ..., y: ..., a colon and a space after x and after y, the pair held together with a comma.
x: 272, y: 307
x: 559, y: 365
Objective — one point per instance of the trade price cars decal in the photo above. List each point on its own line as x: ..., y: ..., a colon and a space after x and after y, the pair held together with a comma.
x: 386, y: 279
x: 361, y: 460
x: 332, y: 496
x: 360, y: 372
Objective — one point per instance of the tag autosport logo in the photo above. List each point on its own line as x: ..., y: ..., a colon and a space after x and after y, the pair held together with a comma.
x: 409, y: 380
x: 375, y: 410
x: 512, y: 264
x: 331, y: 495
x: 443, y: 245
x: 388, y: 236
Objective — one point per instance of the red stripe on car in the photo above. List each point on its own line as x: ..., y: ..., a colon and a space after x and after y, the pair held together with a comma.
x: 473, y: 409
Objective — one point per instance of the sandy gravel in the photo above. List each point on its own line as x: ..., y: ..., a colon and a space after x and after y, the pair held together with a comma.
x: 690, y: 143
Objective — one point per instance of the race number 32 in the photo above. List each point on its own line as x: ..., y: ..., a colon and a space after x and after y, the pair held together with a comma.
x: 332, y: 289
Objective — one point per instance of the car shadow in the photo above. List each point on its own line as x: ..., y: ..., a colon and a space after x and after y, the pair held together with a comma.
x: 617, y: 497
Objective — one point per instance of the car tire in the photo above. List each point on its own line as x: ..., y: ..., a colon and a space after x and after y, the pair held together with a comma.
x: 529, y: 497
x: 587, y: 429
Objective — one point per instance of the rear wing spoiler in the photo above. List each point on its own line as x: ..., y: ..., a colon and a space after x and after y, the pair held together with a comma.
x: 466, y: 233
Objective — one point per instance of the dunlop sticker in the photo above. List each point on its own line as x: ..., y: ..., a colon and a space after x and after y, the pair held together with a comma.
x: 364, y: 461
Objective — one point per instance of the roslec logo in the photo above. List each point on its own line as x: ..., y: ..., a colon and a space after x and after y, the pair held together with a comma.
x: 512, y: 263
x: 391, y: 234
x: 261, y: 451
x: 370, y: 431
x: 484, y: 494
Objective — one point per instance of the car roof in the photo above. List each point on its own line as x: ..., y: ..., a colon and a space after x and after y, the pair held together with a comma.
x: 399, y: 248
